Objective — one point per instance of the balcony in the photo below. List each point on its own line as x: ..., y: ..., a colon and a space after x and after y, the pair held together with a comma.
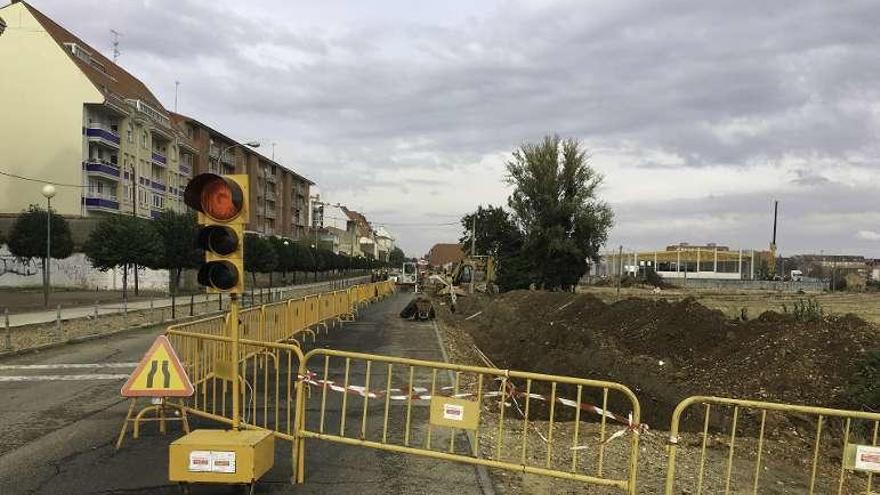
x: 157, y: 186
x: 271, y: 178
x: 270, y: 212
x: 102, y: 134
x: 185, y: 169
x: 270, y: 196
x: 101, y: 169
x: 160, y: 159
x: 100, y: 201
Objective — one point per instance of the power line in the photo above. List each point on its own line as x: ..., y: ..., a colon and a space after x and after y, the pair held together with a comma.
x: 41, y: 181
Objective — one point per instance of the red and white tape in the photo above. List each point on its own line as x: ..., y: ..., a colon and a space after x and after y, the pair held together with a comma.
x: 511, y: 393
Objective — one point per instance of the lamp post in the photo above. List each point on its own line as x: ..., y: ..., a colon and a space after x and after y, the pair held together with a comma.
x: 48, y: 191
x: 250, y: 144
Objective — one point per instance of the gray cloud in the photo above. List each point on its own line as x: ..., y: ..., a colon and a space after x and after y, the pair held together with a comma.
x: 715, y: 84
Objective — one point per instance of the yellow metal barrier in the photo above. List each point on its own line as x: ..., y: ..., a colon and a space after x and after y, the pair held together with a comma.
x: 766, y: 448
x: 269, y: 388
x: 539, y: 425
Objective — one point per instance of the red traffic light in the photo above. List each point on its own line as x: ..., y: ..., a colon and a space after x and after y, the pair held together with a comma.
x: 220, y: 275
x: 218, y: 197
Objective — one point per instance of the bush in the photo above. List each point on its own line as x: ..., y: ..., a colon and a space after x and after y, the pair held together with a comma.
x: 808, y: 310
x: 864, y: 392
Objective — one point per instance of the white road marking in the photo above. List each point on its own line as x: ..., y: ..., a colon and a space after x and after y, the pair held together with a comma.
x: 72, y: 366
x: 56, y: 378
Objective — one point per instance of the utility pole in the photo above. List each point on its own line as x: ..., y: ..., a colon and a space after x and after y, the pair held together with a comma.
x: 176, y: 87
x: 474, y: 235
x: 619, y: 270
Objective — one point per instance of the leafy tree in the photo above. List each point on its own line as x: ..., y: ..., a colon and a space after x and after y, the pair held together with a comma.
x: 497, y: 234
x: 555, y: 205
x: 305, y: 261
x: 177, y: 232
x: 27, y: 238
x: 259, y: 256
x: 396, y: 257
x: 286, y: 252
x: 123, y: 241
x: 499, y: 237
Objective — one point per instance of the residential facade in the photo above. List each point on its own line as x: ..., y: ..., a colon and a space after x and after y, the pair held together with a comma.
x: 278, y: 196
x: 86, y: 124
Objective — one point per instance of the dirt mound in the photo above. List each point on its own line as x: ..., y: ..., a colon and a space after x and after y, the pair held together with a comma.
x: 666, y: 351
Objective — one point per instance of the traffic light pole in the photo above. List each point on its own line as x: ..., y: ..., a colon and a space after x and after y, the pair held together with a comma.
x: 234, y: 334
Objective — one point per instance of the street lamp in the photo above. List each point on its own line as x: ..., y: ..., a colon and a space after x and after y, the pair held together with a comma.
x: 250, y: 144
x: 48, y: 191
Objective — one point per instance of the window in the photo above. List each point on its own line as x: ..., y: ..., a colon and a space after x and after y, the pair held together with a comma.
x: 130, y: 133
x: 144, y: 140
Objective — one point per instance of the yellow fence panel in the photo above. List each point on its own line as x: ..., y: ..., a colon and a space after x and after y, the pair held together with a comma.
x: 297, y: 314
x: 721, y: 445
x: 540, y: 424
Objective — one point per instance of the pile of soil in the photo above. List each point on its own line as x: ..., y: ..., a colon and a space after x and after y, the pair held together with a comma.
x: 666, y: 351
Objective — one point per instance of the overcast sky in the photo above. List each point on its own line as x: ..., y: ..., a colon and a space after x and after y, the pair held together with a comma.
x: 698, y: 113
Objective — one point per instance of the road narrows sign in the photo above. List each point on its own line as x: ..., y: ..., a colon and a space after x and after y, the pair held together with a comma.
x: 159, y: 374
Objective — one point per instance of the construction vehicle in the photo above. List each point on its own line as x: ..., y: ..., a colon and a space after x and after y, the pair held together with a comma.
x: 409, y: 274
x: 470, y: 275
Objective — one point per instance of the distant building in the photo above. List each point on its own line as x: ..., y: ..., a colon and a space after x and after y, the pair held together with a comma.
x: 443, y: 254
x: 703, y: 261
x: 384, y: 244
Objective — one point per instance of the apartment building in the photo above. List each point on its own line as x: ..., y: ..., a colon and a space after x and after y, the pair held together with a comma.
x: 278, y: 196
x: 74, y: 117
x: 77, y: 119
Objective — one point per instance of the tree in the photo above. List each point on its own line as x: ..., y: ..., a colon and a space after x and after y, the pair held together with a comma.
x: 259, y: 256
x: 555, y: 205
x: 499, y: 237
x: 286, y: 251
x: 305, y: 261
x: 27, y: 238
x: 177, y: 232
x: 122, y: 240
x: 396, y: 257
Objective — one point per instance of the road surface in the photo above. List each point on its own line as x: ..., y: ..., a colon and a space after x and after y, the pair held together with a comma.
x: 61, y: 412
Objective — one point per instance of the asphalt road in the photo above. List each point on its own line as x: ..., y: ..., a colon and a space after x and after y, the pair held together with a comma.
x: 58, y: 423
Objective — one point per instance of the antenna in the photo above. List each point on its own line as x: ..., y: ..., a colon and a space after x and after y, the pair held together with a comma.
x: 116, y: 35
x: 176, y: 86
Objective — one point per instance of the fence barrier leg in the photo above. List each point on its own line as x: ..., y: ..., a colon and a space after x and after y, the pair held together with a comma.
x: 8, y: 339
x: 58, y: 323
x: 191, y: 304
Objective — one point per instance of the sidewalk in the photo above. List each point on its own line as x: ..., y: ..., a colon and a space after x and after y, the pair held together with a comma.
x: 277, y: 294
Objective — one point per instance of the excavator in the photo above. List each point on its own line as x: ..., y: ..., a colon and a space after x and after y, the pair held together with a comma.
x: 470, y: 275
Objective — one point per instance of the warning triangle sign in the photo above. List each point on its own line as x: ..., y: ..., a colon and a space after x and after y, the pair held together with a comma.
x: 159, y: 374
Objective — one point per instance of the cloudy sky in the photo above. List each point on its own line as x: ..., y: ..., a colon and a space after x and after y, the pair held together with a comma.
x: 698, y: 113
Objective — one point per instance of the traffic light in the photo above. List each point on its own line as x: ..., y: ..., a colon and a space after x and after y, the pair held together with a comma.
x: 222, y: 205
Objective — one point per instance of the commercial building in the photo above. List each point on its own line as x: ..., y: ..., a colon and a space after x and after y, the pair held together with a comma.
x: 77, y: 119
x: 706, y: 261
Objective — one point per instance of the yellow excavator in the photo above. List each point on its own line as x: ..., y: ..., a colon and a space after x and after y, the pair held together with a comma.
x: 470, y: 275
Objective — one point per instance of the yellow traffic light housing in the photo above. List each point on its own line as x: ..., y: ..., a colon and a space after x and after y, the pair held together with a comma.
x: 222, y: 205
